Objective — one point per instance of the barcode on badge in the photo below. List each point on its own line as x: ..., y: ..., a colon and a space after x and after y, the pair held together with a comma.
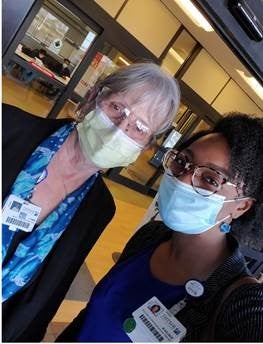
x: 156, y: 334
x: 16, y: 222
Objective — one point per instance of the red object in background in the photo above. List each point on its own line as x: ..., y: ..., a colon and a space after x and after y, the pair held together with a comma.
x: 96, y: 60
x: 43, y: 70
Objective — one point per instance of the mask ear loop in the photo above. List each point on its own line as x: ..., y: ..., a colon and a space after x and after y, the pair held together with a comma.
x: 224, y: 227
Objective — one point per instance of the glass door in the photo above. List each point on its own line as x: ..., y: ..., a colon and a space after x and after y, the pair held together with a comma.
x: 106, y: 60
x: 46, y: 58
x: 179, y: 52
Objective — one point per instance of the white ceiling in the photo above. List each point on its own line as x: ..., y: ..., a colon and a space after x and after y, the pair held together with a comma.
x: 216, y: 47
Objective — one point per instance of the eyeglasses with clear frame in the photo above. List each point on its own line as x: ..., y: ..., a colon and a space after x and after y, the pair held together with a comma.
x: 118, y: 112
x: 206, y: 181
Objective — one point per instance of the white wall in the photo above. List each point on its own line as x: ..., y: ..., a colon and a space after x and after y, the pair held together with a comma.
x: 233, y: 98
x: 150, y: 22
x: 110, y: 6
x: 205, y: 76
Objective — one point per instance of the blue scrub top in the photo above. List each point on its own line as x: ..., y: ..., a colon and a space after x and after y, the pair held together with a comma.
x: 126, y: 287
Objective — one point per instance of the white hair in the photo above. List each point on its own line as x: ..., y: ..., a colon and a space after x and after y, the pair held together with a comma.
x: 156, y: 88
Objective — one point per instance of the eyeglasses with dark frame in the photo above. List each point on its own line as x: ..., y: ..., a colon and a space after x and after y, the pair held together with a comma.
x: 206, y: 181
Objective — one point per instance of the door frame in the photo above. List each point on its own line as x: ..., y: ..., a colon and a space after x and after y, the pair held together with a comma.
x: 107, y: 29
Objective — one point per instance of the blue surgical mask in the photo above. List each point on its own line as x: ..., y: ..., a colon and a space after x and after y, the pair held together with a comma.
x: 184, y: 210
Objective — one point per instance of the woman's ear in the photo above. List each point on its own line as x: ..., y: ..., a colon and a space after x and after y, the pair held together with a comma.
x: 243, y: 205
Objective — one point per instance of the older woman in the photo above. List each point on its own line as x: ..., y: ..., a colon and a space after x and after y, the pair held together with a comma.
x: 190, y: 264
x: 55, y: 202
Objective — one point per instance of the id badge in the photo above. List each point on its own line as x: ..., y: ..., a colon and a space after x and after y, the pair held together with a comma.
x: 153, y: 322
x: 20, y: 214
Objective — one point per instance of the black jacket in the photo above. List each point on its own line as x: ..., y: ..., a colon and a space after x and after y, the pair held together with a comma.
x: 241, y: 316
x: 64, y: 71
x: 27, y: 314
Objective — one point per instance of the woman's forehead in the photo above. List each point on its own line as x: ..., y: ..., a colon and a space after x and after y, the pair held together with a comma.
x: 216, y: 139
x: 133, y: 96
x: 212, y: 148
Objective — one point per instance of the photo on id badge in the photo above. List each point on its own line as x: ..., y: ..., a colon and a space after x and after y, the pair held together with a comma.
x: 16, y: 206
x: 155, y: 309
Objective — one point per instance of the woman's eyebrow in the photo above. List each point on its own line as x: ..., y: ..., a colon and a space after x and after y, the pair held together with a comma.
x: 214, y: 166
x: 219, y: 169
x: 189, y: 152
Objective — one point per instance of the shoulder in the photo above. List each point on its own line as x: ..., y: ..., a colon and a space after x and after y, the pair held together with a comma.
x: 241, y: 315
x: 16, y: 120
x: 67, y: 71
x: 12, y: 113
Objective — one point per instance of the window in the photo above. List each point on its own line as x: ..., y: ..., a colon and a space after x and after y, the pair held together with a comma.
x: 179, y: 52
x: 47, y: 28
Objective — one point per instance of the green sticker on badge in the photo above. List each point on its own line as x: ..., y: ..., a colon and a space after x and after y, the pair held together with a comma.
x: 129, y: 325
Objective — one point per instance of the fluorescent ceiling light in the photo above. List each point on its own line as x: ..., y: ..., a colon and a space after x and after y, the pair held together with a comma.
x: 196, y: 16
x: 253, y: 83
x: 176, y: 55
x: 123, y: 60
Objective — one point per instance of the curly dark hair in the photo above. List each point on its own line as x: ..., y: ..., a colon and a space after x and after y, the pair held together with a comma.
x: 244, y: 135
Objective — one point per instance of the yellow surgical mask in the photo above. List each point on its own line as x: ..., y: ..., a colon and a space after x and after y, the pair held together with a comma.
x: 104, y: 144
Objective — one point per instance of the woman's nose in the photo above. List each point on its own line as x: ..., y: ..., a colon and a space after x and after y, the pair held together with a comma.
x: 124, y: 125
x: 186, y: 177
